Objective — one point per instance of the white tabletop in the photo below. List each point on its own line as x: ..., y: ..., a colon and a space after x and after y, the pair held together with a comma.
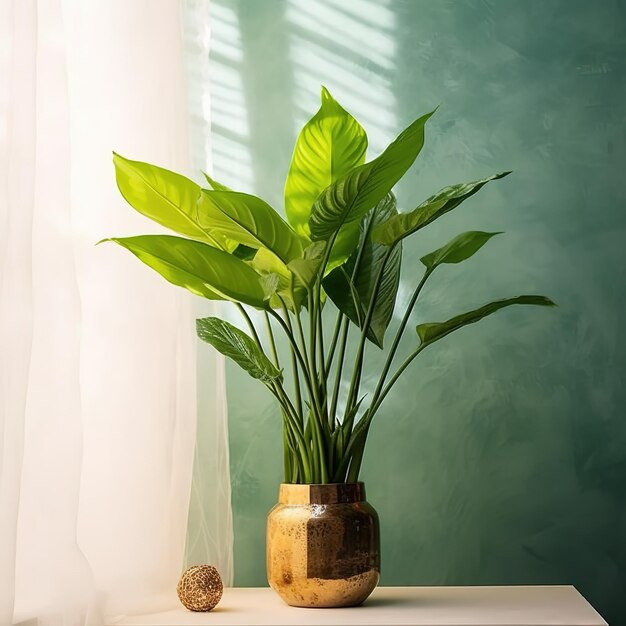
x: 395, y: 606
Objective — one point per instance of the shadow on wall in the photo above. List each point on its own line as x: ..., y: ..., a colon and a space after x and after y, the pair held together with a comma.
x: 508, y: 443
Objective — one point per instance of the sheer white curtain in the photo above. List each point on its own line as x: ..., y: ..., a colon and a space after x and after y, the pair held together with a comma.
x: 97, y: 355
x: 210, y: 529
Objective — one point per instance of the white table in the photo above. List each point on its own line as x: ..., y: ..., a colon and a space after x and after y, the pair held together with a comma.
x: 395, y: 606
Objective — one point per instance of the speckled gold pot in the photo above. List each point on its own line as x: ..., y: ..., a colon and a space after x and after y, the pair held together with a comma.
x: 323, y: 547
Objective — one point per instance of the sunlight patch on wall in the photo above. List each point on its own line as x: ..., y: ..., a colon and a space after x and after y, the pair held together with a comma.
x: 332, y: 43
x: 230, y: 132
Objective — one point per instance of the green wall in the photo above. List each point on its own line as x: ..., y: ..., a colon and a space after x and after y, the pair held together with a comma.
x: 501, y: 456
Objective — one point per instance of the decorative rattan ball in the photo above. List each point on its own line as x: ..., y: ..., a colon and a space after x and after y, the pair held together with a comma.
x: 200, y: 588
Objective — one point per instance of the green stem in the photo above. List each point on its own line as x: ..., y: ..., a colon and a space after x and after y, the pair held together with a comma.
x: 357, y: 458
x: 358, y: 368
x: 303, y: 364
x: 333, y: 343
x: 281, y: 396
x: 295, y: 427
x: 338, y: 373
x: 270, y: 334
x: 313, y: 340
x: 294, y: 365
x: 398, y: 336
x: 393, y: 380
x: 359, y: 435
x: 300, y: 330
x: 249, y: 322
x: 348, y: 452
x: 379, y: 393
x: 322, y: 364
x: 288, y: 452
x: 310, y: 377
x: 292, y: 340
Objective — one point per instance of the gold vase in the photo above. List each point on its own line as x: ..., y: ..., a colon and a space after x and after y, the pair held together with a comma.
x: 323, y: 546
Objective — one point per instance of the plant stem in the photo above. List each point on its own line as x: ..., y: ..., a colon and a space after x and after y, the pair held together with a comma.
x: 358, y: 367
x: 342, y: 354
x: 333, y: 343
x: 294, y: 365
x: 315, y: 415
x: 394, y: 378
x: 270, y: 334
x: 295, y: 428
x: 357, y: 458
x: 249, y: 322
x: 310, y: 376
x: 280, y: 394
x: 305, y: 352
x: 396, y: 341
x: 294, y: 345
x: 313, y: 340
x: 360, y: 437
x: 347, y: 453
x: 322, y: 364
x: 288, y: 453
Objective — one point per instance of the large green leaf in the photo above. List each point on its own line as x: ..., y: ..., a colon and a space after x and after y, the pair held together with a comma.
x: 248, y: 220
x: 462, y: 247
x: 202, y: 269
x: 238, y: 346
x: 330, y: 144
x: 405, y: 224
x: 351, y: 295
x: 165, y: 197
x: 431, y: 332
x: 352, y: 195
x: 245, y: 253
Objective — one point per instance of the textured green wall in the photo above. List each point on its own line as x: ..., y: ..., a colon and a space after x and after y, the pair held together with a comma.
x: 501, y: 457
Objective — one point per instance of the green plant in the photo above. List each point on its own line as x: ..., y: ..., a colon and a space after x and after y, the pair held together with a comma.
x: 342, y: 242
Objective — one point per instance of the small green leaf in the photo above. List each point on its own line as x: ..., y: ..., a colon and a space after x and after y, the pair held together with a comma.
x: 307, y: 268
x: 352, y: 195
x: 431, y: 332
x: 238, y: 346
x: 165, y: 197
x: 202, y: 269
x: 405, y: 224
x: 350, y: 296
x: 248, y: 220
x: 270, y: 284
x: 330, y: 144
x: 277, y: 279
x: 462, y: 247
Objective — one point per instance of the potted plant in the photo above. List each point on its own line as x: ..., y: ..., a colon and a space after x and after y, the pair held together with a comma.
x: 338, y: 254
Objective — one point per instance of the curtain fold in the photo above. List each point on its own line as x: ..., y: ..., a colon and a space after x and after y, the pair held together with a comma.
x: 210, y: 527
x: 18, y: 50
x: 98, y: 358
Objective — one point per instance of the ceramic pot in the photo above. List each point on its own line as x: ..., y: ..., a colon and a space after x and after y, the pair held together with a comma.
x: 323, y: 546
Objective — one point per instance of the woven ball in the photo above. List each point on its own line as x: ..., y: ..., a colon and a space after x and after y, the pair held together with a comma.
x: 200, y: 588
